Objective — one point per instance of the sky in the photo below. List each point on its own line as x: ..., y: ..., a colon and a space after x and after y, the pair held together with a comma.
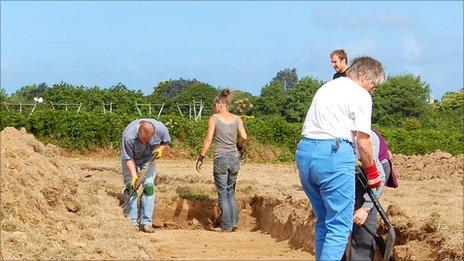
x: 235, y: 44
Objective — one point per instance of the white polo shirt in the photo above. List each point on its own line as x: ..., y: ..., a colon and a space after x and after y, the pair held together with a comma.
x: 339, y: 107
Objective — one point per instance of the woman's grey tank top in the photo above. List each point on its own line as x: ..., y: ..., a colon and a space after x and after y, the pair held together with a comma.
x: 225, y: 137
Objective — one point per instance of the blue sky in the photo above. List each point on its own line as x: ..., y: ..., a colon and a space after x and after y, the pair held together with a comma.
x: 227, y: 44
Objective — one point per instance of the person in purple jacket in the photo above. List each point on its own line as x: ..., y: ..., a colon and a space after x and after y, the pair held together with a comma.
x: 362, y: 245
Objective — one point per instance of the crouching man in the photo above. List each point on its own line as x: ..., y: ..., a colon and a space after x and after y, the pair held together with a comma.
x: 142, y: 139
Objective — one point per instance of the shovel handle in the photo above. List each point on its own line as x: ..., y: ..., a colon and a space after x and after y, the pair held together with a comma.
x: 391, y: 230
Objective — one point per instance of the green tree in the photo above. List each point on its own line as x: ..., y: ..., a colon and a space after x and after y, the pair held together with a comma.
x: 299, y: 99
x: 27, y: 93
x: 449, y: 113
x: 453, y: 101
x: 3, y: 95
x: 198, y: 92
x: 124, y: 99
x: 400, y: 96
x: 287, y: 77
x: 92, y: 99
x: 65, y: 93
x: 272, y: 99
x: 243, y: 102
x: 167, y: 92
x: 171, y: 88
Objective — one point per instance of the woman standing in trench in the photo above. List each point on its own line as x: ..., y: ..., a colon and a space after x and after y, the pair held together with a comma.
x: 223, y: 127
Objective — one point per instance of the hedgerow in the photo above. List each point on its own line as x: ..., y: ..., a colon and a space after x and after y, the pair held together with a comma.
x: 88, y: 131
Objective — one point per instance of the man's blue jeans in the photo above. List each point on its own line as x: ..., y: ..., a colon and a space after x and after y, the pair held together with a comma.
x: 147, y: 203
x: 327, y: 176
x: 225, y: 170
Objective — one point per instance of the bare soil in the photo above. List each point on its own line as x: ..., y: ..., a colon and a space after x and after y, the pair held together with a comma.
x: 61, y: 206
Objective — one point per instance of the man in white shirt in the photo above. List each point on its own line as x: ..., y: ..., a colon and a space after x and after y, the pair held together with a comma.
x: 338, y: 118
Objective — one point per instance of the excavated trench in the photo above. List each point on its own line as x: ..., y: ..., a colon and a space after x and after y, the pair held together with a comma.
x: 281, y: 219
x: 291, y: 220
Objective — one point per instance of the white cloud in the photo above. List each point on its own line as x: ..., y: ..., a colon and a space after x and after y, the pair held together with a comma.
x: 411, y: 48
x: 365, y: 46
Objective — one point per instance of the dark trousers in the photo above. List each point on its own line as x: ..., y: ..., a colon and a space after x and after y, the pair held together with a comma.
x: 362, y: 238
x: 362, y: 244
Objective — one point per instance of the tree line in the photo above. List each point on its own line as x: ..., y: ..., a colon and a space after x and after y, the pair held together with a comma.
x: 402, y: 100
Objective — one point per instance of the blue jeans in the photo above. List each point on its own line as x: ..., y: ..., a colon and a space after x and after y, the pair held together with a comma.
x: 147, y: 203
x: 327, y: 176
x: 225, y: 176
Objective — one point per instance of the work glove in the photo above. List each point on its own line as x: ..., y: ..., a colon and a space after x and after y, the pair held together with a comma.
x: 373, y: 176
x: 158, y: 152
x: 133, y: 181
x: 131, y: 186
x: 241, y: 149
x: 199, y: 162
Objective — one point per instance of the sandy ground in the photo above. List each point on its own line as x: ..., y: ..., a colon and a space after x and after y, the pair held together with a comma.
x: 69, y: 207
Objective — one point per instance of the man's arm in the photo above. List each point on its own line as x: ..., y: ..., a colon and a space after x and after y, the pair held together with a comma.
x: 131, y: 167
x: 165, y: 139
x: 127, y: 153
x: 364, y: 145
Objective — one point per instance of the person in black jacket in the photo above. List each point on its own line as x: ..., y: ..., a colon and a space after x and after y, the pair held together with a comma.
x: 339, y: 61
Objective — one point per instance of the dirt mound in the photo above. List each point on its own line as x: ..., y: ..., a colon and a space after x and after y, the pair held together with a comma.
x: 436, y: 165
x: 32, y: 180
x: 423, y: 239
x: 53, y: 209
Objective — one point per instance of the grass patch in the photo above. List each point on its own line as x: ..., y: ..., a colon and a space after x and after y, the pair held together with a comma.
x: 189, y: 193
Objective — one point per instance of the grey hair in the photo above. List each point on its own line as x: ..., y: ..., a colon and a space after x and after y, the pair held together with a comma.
x: 367, y: 67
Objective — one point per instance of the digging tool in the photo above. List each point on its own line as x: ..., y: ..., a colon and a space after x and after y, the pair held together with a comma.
x: 141, y: 178
x: 385, y: 248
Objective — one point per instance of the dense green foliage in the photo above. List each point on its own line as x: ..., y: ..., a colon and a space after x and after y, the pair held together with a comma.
x: 423, y: 141
x: 401, y: 113
x: 298, y: 100
x: 177, y: 94
x: 243, y: 103
x: 87, y: 131
x: 3, y: 95
x: 271, y: 101
x: 400, y: 96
